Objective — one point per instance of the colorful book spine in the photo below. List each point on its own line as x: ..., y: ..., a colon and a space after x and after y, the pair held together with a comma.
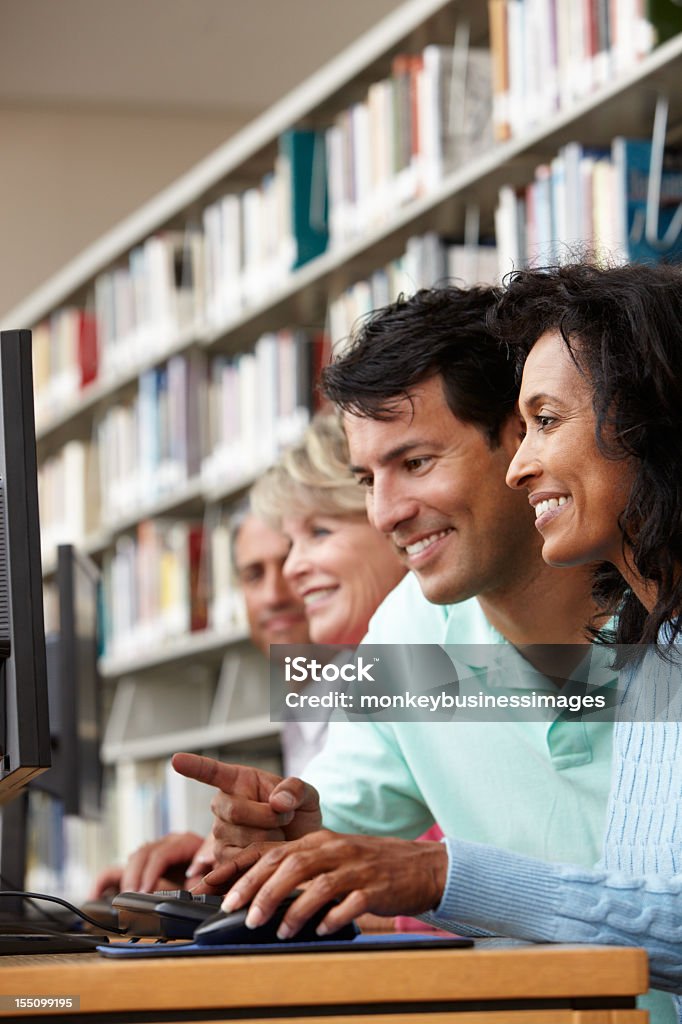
x: 594, y: 201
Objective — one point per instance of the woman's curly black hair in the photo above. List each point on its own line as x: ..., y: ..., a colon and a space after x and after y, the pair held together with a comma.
x: 623, y: 328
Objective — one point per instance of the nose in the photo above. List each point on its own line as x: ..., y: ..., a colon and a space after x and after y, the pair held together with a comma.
x: 389, y: 504
x: 276, y: 588
x: 524, y: 467
x: 297, y: 564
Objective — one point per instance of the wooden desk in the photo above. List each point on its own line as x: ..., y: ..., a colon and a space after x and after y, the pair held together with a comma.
x: 487, y: 985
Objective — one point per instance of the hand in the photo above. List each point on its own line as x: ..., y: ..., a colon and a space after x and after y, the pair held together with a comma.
x: 162, y: 863
x: 203, y: 860
x: 366, y: 874
x: 251, y: 805
x: 107, y: 883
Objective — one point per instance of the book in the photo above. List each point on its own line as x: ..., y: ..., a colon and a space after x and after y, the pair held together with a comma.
x: 497, y: 15
x: 304, y: 152
x: 662, y: 239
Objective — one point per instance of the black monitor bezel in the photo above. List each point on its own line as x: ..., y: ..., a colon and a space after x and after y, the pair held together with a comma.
x: 26, y: 739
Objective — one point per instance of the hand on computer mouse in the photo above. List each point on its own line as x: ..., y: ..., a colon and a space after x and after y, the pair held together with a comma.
x: 225, y: 929
x: 364, y: 873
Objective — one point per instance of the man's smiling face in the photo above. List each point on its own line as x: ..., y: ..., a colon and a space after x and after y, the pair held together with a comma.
x: 437, y: 488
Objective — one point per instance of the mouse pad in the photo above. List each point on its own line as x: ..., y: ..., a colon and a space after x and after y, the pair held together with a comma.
x: 361, y: 943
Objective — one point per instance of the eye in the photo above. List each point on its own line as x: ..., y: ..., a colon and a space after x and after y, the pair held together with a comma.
x: 543, y: 422
x: 412, y: 465
x: 365, y: 481
x: 319, y: 531
x: 249, y: 577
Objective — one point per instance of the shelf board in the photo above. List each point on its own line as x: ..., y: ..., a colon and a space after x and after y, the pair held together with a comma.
x: 185, y: 498
x: 189, y: 498
x: 74, y: 419
x: 226, y: 734
x: 177, y: 650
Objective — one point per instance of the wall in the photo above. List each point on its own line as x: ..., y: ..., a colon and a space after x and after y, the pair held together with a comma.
x: 67, y: 176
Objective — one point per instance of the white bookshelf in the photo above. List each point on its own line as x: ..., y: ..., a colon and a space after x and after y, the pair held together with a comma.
x: 624, y: 105
x: 206, y: 737
x: 176, y: 651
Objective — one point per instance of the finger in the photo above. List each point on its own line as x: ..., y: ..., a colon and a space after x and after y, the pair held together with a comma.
x: 205, y: 855
x: 199, y: 867
x: 234, y: 837
x: 294, y: 794
x: 109, y: 878
x: 254, y: 881
x: 248, y: 813
x: 203, y: 860
x: 206, y: 769
x: 218, y: 880
x: 131, y: 879
x: 169, y: 852
x: 224, y: 875
x: 314, y: 897
x: 354, y: 905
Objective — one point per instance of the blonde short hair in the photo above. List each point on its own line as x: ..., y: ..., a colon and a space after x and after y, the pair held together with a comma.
x: 311, y: 478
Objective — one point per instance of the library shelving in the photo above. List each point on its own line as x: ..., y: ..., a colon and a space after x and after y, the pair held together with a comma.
x: 231, y: 280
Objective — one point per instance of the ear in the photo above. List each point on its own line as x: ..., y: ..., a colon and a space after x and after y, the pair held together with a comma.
x: 511, y: 433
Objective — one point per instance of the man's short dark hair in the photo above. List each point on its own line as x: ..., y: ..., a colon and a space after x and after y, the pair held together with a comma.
x: 437, y: 332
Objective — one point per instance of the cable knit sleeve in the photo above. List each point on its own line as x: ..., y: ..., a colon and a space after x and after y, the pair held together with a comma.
x: 529, y: 899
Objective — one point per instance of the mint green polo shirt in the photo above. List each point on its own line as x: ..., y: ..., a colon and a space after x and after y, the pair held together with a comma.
x: 534, y: 787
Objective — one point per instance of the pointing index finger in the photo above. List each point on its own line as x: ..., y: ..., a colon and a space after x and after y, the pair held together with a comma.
x: 206, y: 769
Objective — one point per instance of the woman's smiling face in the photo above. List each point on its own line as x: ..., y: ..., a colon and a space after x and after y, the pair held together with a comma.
x: 342, y: 569
x: 578, y: 494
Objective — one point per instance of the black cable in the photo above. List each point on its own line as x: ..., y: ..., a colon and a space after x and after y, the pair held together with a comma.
x: 63, y: 903
x: 8, y: 886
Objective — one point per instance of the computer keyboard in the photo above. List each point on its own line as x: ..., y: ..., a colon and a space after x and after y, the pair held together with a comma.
x: 171, y: 914
x: 26, y: 937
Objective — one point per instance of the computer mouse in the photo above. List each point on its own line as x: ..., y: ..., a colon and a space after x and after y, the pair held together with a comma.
x: 230, y: 930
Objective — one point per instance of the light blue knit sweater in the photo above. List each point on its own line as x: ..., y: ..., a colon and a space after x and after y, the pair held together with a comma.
x: 634, y: 895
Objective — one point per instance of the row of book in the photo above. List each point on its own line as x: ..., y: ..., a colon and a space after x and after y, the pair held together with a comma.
x: 254, y: 239
x: 140, y: 802
x: 549, y: 54
x: 179, y: 282
x: 65, y: 853
x: 197, y: 420
x: 430, y: 115
x: 428, y: 260
x: 218, y: 421
x: 65, y: 359
x: 167, y: 579
x: 596, y: 200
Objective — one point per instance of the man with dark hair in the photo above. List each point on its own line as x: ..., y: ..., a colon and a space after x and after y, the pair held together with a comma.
x: 428, y: 399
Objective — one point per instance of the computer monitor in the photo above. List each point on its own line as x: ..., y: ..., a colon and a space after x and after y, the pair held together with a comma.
x: 75, y: 777
x: 24, y: 718
x: 74, y: 780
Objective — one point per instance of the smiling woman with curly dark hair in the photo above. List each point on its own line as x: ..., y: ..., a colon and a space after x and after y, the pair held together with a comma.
x: 622, y: 329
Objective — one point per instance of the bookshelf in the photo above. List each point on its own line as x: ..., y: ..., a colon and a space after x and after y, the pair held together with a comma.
x: 619, y: 99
